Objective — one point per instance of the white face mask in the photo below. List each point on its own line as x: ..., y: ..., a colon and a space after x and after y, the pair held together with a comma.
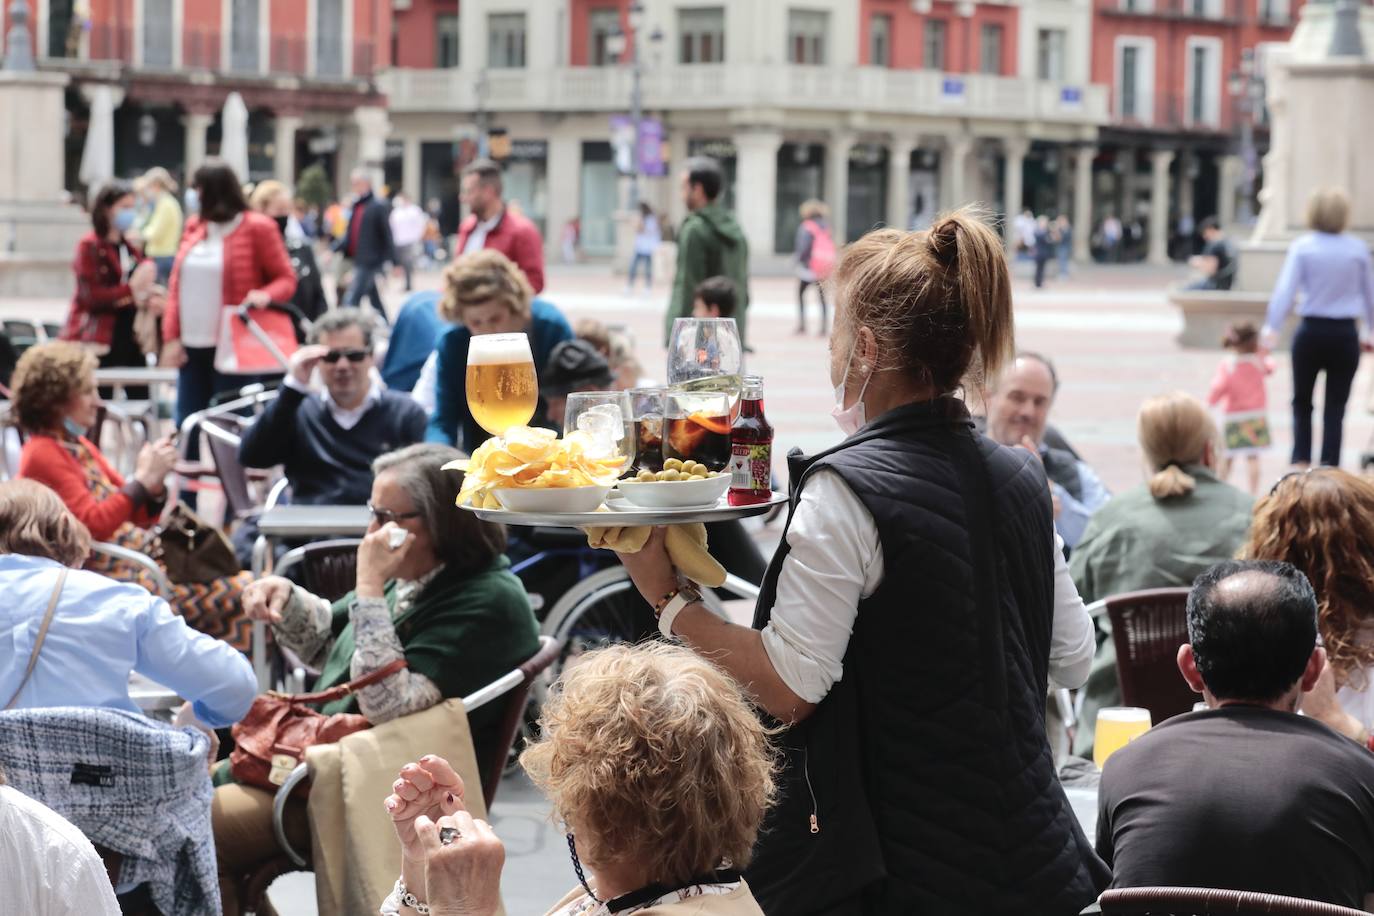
x: 850, y: 419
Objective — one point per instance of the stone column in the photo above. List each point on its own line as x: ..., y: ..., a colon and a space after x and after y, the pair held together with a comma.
x: 955, y: 166
x: 1186, y: 159
x: 1014, y: 151
x: 1125, y: 184
x: 411, y: 166
x: 284, y: 141
x: 1160, y: 160
x: 837, y: 183
x: 97, y: 159
x: 1083, y: 202
x: 756, y: 187
x: 679, y: 144
x: 899, y: 181
x: 565, y: 172
x: 197, y: 121
x: 373, y: 127
x: 1229, y: 169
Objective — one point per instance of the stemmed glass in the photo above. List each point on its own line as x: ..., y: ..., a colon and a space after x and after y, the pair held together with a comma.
x: 606, y: 416
x: 502, y: 388
x: 704, y: 354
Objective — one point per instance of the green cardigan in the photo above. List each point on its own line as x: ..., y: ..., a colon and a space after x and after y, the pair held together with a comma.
x: 462, y: 632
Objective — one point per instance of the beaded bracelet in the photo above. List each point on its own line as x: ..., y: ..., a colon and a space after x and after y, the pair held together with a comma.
x: 409, y: 899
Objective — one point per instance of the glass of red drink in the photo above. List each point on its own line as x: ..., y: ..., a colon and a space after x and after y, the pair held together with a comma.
x: 697, y: 427
x: 648, y: 406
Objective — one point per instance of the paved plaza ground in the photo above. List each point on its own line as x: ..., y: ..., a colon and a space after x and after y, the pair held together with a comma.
x: 1110, y: 331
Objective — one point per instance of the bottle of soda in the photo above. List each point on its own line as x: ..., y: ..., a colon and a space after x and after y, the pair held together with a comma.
x: 751, y: 448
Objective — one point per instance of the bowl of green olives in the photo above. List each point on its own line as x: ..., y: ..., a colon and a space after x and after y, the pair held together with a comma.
x: 680, y: 485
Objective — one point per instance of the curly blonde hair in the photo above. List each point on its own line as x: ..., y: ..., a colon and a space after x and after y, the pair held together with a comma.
x: 482, y: 277
x: 652, y: 754
x: 1322, y: 522
x: 45, y: 379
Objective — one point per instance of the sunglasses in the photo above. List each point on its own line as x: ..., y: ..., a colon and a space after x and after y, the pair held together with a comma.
x: 1289, y: 476
x: 353, y: 356
x: 386, y: 515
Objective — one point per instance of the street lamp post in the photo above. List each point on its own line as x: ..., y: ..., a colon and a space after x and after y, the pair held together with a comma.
x: 1247, y: 88
x: 18, y: 43
x: 481, y: 88
x: 617, y: 45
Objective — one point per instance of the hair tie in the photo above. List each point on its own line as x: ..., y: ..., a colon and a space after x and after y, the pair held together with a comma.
x: 1172, y: 464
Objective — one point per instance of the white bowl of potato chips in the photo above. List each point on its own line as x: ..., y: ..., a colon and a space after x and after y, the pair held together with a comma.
x: 675, y: 487
x: 532, y: 470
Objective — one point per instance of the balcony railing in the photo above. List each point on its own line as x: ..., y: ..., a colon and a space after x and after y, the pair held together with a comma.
x: 1222, y: 11
x: 202, y: 49
x: 1175, y: 112
x: 715, y: 86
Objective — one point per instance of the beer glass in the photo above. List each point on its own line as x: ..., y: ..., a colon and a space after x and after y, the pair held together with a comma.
x: 607, y: 417
x: 704, y: 355
x: 697, y: 427
x: 1117, y: 726
x: 501, y: 385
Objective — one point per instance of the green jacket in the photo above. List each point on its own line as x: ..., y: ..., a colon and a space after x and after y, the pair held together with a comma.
x: 1136, y: 541
x: 709, y: 244
x: 463, y: 632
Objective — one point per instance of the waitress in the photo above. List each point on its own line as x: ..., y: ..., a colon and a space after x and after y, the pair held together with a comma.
x: 911, y: 619
x: 1332, y: 270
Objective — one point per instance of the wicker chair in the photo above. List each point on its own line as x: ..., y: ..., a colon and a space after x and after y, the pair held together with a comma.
x: 1196, y: 901
x: 1147, y: 629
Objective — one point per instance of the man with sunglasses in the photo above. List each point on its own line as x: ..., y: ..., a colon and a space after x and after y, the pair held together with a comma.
x: 328, y: 440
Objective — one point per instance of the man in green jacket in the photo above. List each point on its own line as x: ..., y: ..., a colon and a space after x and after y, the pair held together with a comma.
x: 709, y: 244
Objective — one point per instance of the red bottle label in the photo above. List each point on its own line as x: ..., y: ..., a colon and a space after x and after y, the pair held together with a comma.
x: 751, y: 471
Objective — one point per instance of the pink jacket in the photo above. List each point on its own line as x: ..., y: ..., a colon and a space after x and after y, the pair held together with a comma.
x: 1238, y: 385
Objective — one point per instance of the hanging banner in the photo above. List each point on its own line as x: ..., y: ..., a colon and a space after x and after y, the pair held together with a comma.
x: 649, y: 158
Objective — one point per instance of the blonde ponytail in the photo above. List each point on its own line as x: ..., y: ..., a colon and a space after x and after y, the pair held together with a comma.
x: 1174, y: 430
x: 1170, y: 482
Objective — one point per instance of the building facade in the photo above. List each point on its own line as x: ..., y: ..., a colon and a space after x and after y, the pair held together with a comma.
x: 1187, y: 117
x: 889, y: 110
x: 304, y: 69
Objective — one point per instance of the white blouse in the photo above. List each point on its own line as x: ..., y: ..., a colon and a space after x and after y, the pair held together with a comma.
x: 47, y: 866
x: 836, y: 560
x: 202, y: 286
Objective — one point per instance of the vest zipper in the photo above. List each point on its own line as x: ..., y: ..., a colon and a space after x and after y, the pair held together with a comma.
x: 806, y: 774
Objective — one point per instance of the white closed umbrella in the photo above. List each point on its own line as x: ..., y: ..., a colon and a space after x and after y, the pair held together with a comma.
x: 233, y: 146
x: 97, y: 157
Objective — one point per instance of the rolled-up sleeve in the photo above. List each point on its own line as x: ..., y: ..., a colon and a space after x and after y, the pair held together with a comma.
x: 834, y: 561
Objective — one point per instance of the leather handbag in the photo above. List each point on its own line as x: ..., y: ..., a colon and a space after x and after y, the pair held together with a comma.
x: 193, y: 550
x: 271, y: 740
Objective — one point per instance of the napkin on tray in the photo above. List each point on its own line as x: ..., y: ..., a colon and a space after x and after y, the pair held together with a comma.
x: 686, y: 546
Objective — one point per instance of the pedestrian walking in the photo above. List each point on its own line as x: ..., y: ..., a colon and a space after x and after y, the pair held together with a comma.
x: 1064, y: 244
x: 367, y: 242
x: 710, y: 243
x: 1111, y: 239
x: 1238, y: 388
x: 814, y: 255
x: 1043, y: 248
x: 408, y: 224
x: 496, y: 223
x: 648, y: 236
x: 162, y: 230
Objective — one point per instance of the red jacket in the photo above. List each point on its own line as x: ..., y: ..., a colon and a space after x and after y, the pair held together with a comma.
x: 254, y: 258
x: 101, y: 291
x: 46, y: 461
x: 515, y: 237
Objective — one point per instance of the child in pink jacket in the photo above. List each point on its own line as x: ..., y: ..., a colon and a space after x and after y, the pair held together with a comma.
x: 1238, y: 388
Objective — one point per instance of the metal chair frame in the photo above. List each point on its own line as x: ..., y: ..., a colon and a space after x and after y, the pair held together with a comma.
x: 147, y: 563
x: 1196, y: 901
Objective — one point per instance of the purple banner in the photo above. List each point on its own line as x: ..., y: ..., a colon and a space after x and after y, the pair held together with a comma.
x: 650, y: 153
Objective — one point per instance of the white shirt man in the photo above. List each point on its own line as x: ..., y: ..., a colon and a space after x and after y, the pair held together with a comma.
x: 47, y: 866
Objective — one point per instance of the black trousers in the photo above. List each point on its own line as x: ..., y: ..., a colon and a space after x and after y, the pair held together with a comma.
x: 801, y: 302
x: 1330, y: 345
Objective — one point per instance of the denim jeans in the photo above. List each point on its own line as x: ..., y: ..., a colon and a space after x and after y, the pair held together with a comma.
x: 648, y: 261
x: 365, y: 283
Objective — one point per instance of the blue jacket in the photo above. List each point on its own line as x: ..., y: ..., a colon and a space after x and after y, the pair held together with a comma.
x: 413, y: 337
x: 452, y: 423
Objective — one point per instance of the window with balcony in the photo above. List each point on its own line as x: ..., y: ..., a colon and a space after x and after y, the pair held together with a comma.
x: 1204, y: 9
x: 602, y: 26
x: 158, y: 18
x: 1202, y: 82
x: 990, y: 48
x: 702, y: 35
x: 243, y: 36
x: 1274, y: 12
x: 329, y: 37
x: 1050, y: 54
x: 880, y: 40
x: 1134, y: 82
x: 1137, y: 6
x: 933, y: 44
x: 446, y: 40
x: 506, y: 41
x: 806, y: 36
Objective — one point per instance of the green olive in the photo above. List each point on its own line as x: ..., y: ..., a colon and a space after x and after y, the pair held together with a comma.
x: 672, y: 464
x: 645, y: 475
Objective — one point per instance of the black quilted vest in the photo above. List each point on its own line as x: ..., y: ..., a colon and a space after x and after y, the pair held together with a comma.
x: 926, y: 768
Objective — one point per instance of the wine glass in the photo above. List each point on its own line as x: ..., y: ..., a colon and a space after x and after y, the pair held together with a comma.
x: 606, y: 416
x: 502, y: 388
x: 697, y: 427
x: 704, y: 354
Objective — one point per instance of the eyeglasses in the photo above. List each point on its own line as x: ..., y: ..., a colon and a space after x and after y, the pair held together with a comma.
x: 386, y: 515
x: 1291, y: 474
x: 353, y: 356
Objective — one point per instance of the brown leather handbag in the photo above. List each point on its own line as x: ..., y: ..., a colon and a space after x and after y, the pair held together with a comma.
x: 271, y: 740
x: 192, y: 550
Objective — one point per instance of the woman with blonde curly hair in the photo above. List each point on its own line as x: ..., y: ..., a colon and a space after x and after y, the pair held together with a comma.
x: 654, y: 760
x: 1322, y: 521
x: 484, y: 293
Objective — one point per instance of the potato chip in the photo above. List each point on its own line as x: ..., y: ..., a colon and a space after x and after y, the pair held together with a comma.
x: 531, y: 458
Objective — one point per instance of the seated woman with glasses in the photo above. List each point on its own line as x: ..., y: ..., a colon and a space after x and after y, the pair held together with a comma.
x: 443, y: 598
x: 56, y: 404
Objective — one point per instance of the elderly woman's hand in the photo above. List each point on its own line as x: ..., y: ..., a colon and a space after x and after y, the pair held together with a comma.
x: 428, y: 788
x: 651, y: 569
x: 378, y: 561
x: 464, y: 877
x: 266, y: 598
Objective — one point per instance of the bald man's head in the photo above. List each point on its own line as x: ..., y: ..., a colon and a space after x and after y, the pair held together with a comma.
x: 1252, y: 625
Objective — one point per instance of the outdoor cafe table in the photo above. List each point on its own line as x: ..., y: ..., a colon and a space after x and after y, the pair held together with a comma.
x: 297, y: 523
x: 137, y: 377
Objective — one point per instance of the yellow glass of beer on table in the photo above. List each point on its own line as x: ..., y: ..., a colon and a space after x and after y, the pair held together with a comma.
x: 502, y: 388
x: 1117, y: 726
